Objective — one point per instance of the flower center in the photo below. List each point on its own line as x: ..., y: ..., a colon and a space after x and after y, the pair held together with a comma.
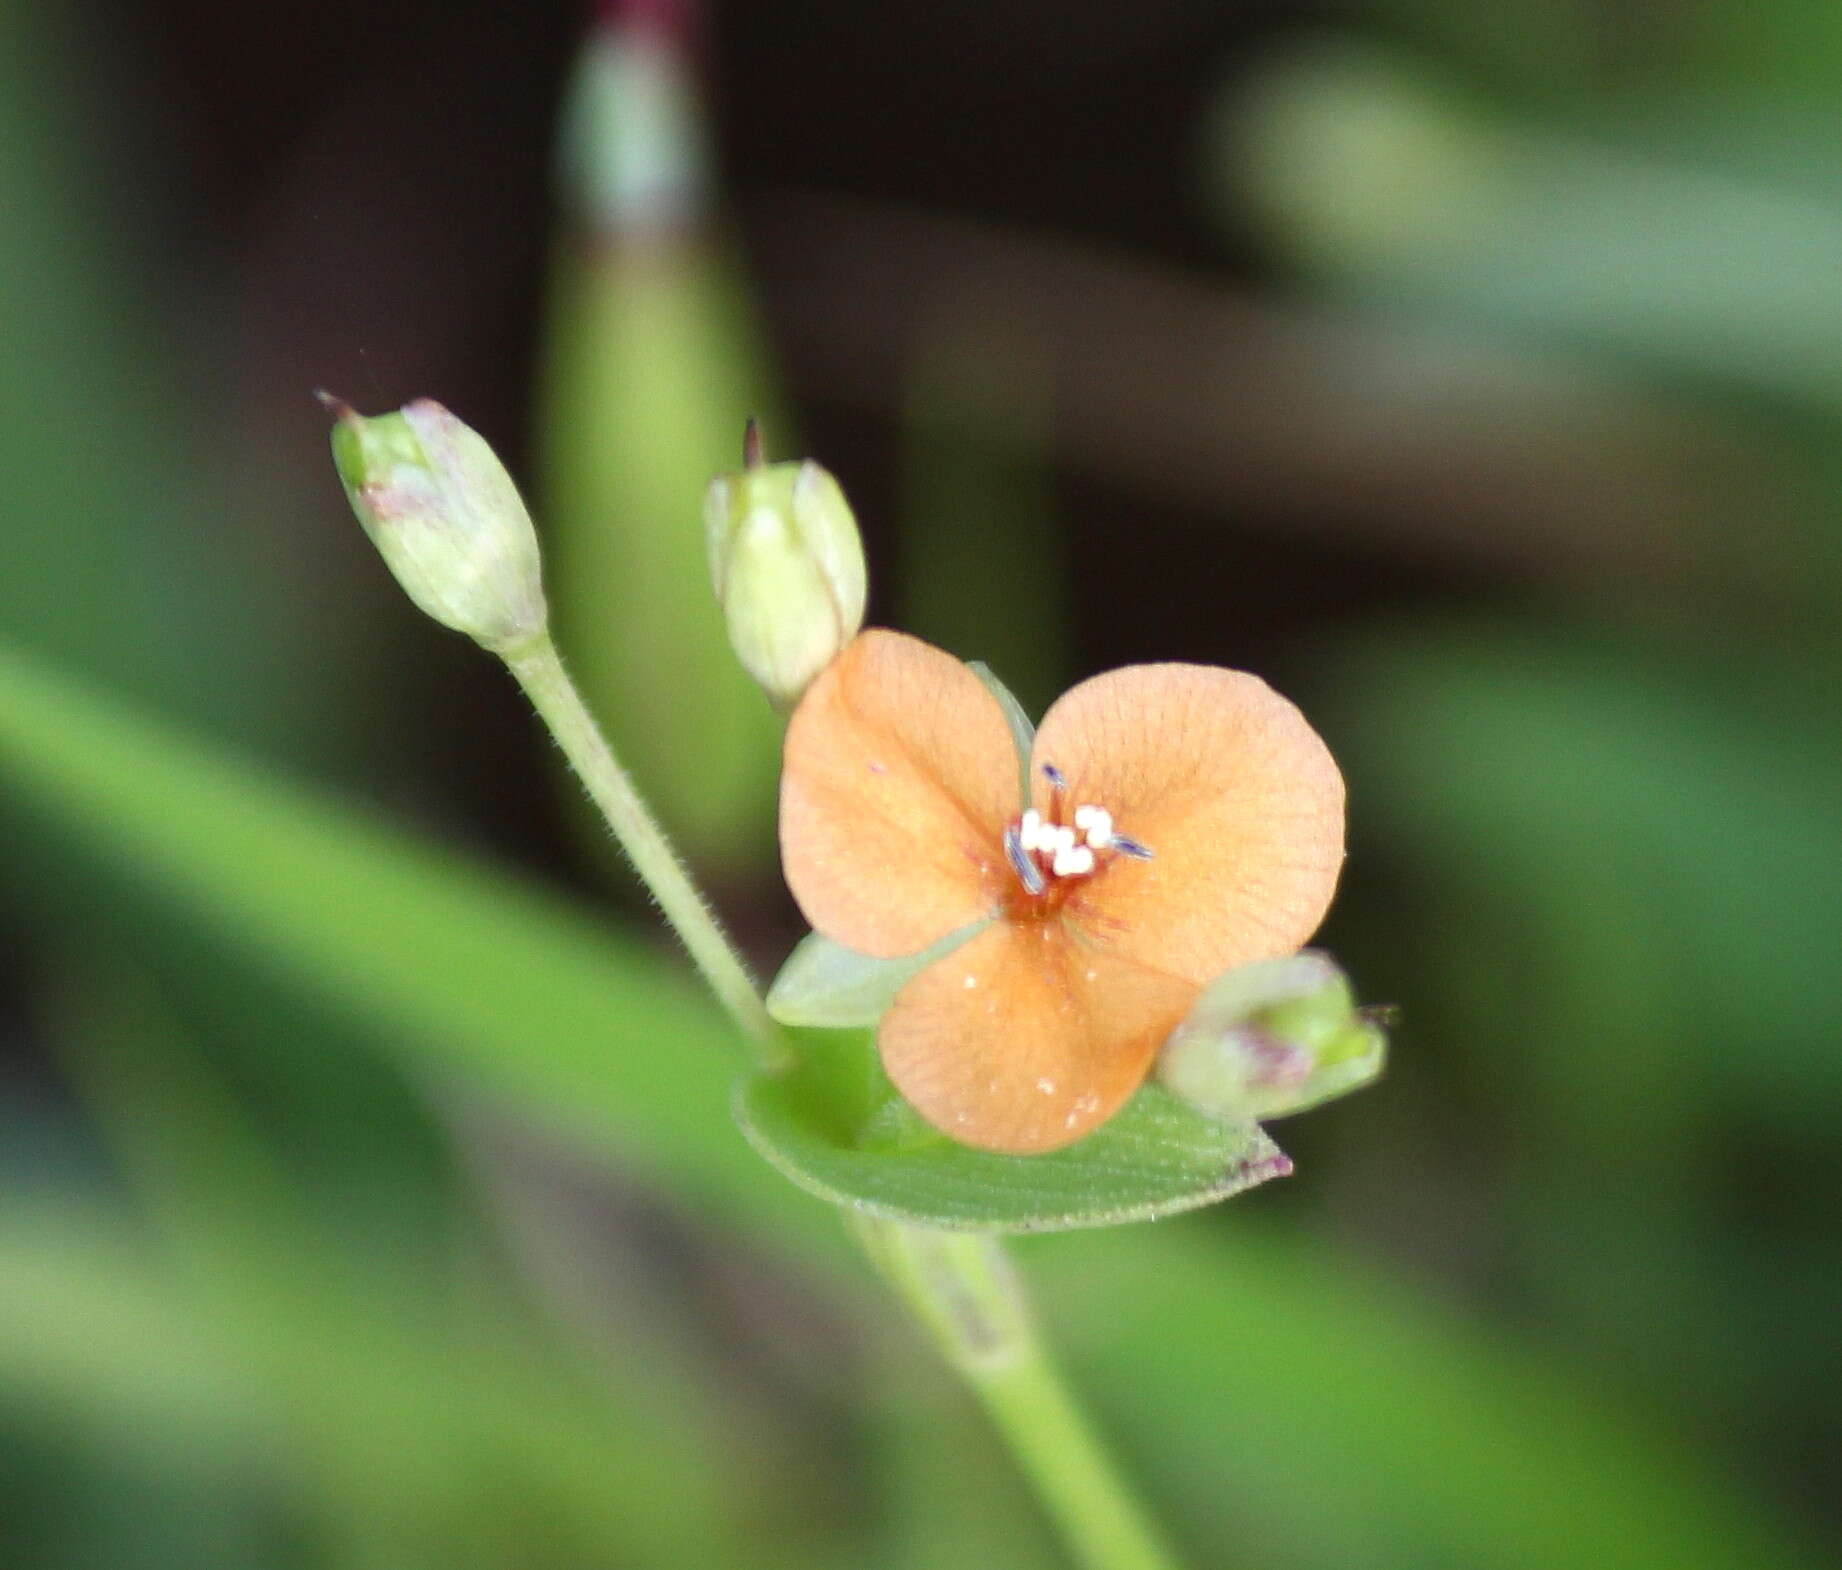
x: 1048, y: 855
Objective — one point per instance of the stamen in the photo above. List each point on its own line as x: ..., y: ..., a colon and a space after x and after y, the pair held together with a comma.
x: 1028, y: 873
x: 1041, y: 848
x: 1055, y: 777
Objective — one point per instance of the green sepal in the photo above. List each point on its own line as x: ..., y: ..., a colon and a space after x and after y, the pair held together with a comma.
x: 825, y: 984
x: 445, y: 516
x: 837, y: 1127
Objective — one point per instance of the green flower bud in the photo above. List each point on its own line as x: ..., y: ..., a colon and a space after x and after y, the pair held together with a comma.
x: 446, y: 518
x: 1273, y: 1038
x: 787, y: 564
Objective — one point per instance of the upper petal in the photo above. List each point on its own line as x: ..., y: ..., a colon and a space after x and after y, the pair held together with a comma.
x: 1027, y: 1037
x: 899, y: 778
x: 1235, y: 794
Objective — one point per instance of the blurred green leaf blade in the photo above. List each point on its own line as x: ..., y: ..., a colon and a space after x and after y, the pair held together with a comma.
x: 464, y: 971
x: 1339, y: 1418
x: 1395, y: 184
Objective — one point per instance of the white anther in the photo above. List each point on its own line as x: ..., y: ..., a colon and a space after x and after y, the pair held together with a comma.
x: 1071, y: 862
x: 1030, y: 831
x: 1099, y: 827
x: 1084, y: 816
x: 1058, y: 839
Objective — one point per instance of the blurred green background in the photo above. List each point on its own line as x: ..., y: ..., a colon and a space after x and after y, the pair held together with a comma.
x: 367, y: 1193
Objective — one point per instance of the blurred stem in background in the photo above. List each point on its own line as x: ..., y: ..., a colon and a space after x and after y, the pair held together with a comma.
x: 652, y: 365
x: 963, y: 1287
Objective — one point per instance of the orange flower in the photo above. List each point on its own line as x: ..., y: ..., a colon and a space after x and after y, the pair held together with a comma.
x: 1183, y: 820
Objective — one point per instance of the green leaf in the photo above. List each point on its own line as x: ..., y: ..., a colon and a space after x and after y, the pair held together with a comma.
x: 835, y: 1126
x: 1389, y: 182
x: 1695, y: 807
x: 406, y: 1388
x: 465, y: 974
x: 825, y: 984
x: 1363, y: 1423
x: 88, y: 1333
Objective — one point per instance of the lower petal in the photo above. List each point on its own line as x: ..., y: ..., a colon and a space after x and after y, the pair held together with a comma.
x: 1027, y: 1037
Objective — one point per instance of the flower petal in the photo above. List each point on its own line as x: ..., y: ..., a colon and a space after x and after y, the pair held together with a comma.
x: 1027, y: 1038
x: 1237, y: 797
x: 900, y: 776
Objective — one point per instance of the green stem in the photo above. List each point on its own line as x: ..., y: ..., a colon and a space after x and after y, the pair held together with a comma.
x: 538, y: 669
x: 964, y: 1289
x: 961, y: 1285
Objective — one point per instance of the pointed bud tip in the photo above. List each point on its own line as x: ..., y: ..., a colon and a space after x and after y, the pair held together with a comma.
x: 787, y: 565
x: 753, y: 455
x: 334, y: 405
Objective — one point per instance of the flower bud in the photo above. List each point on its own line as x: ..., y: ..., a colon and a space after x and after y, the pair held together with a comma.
x: 1273, y: 1038
x: 787, y: 564
x: 446, y: 518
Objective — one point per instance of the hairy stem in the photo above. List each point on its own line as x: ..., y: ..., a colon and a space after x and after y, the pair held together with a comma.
x: 539, y: 671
